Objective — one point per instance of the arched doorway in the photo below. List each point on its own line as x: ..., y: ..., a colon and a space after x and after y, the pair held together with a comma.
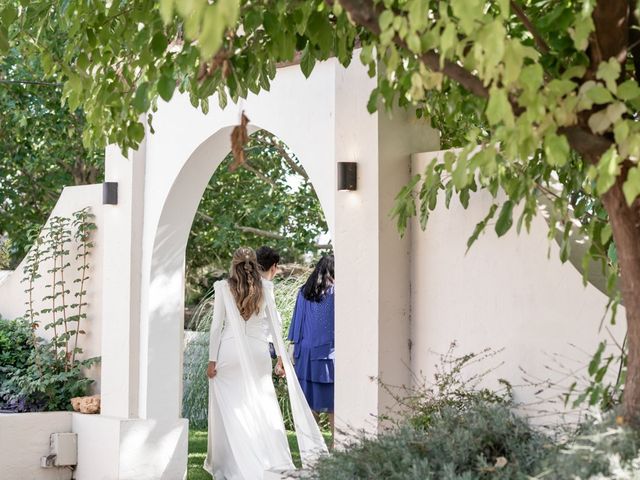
x: 166, y: 288
x: 325, y: 121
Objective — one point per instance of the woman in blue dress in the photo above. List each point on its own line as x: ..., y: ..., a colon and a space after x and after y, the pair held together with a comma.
x: 312, y: 333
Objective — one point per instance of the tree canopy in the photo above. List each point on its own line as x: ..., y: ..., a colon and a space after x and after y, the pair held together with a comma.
x: 41, y: 151
x: 543, y: 94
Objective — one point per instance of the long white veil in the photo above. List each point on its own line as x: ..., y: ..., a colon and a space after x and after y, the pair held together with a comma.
x: 310, y: 439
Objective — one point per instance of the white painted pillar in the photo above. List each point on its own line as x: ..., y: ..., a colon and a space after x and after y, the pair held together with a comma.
x: 357, y: 251
x: 372, y: 261
x: 121, y: 240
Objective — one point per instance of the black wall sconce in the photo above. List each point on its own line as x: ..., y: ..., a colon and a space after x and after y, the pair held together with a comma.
x: 110, y: 193
x: 347, y: 176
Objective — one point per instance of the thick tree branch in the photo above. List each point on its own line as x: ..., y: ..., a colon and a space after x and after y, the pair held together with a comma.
x: 541, y: 44
x: 259, y: 174
x: 611, y: 37
x: 584, y: 142
x: 365, y: 14
x: 287, y: 158
x: 260, y: 232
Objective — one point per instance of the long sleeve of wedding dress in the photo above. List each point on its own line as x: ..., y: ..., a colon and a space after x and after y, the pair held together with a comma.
x: 217, y: 323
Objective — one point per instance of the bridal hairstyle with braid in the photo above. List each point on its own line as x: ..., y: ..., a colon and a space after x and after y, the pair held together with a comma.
x: 245, y: 282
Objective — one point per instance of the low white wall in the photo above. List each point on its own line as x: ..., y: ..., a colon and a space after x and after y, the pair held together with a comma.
x: 505, y: 293
x: 118, y: 449
x: 12, y: 290
x: 108, y: 448
x: 24, y: 438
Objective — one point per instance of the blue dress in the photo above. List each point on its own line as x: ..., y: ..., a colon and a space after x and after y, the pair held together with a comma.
x: 312, y: 333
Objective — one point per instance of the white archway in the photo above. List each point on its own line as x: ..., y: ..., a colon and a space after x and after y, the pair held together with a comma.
x: 166, y: 288
x: 324, y: 120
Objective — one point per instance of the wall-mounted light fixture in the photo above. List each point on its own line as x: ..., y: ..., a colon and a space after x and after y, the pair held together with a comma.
x: 110, y: 193
x: 347, y: 176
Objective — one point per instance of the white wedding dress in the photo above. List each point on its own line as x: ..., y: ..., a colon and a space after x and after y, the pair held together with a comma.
x: 246, y: 430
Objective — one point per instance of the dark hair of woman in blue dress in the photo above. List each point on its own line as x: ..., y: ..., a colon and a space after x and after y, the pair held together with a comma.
x: 320, y: 280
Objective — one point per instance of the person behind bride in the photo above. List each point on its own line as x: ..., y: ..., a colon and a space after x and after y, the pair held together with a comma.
x: 246, y: 430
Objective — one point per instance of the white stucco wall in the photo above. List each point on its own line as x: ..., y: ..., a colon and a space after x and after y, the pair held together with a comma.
x: 24, y: 439
x: 13, y: 296
x: 504, y: 294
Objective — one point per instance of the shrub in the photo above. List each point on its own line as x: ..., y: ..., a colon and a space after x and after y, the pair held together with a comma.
x: 45, y: 375
x: 454, y: 429
x: 601, y: 449
x: 195, y: 385
x: 486, y: 440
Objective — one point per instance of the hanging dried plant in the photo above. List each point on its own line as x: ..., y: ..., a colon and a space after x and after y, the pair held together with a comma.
x: 239, y: 137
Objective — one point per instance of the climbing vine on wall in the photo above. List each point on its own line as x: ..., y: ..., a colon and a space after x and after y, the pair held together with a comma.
x: 54, y: 372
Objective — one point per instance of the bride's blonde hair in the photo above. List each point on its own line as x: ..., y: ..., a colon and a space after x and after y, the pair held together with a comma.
x: 245, y: 282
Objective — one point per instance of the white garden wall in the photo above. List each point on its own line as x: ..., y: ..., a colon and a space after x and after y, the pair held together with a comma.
x: 504, y: 294
x: 13, y: 296
x: 24, y: 439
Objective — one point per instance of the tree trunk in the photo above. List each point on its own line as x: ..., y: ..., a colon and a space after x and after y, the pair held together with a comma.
x: 625, y: 224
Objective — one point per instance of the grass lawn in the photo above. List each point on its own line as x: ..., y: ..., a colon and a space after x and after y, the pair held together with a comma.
x: 198, y: 452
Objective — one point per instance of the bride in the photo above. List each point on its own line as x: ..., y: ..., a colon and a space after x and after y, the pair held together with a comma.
x: 246, y: 430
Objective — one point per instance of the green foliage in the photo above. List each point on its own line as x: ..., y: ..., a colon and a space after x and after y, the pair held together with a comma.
x: 453, y: 430
x: 195, y: 386
x: 607, y: 372
x: 15, y: 346
x: 41, y: 151
x: 45, y: 383
x: 602, y: 448
x: 51, y: 372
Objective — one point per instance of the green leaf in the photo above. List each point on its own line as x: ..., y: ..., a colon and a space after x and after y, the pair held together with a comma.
x: 600, y: 121
x: 556, y: 149
x: 4, y: 39
x: 581, y: 31
x: 9, y: 14
x: 505, y: 218
x: 531, y: 77
x: 459, y: 176
x: 599, y: 95
x: 413, y: 42
x: 385, y: 20
x: 631, y: 187
x: 166, y: 10
x: 480, y: 226
x: 210, y: 38
x: 372, y: 104
x: 159, y: 44
x: 498, y: 107
x: 628, y: 90
x: 141, y: 100
x: 594, y: 364
x: 605, y: 234
x: 307, y: 62
x: 608, y: 170
x: 166, y: 86
x: 609, y: 72
x: 469, y: 12
x: 447, y: 40
x: 418, y: 12
x: 513, y: 60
